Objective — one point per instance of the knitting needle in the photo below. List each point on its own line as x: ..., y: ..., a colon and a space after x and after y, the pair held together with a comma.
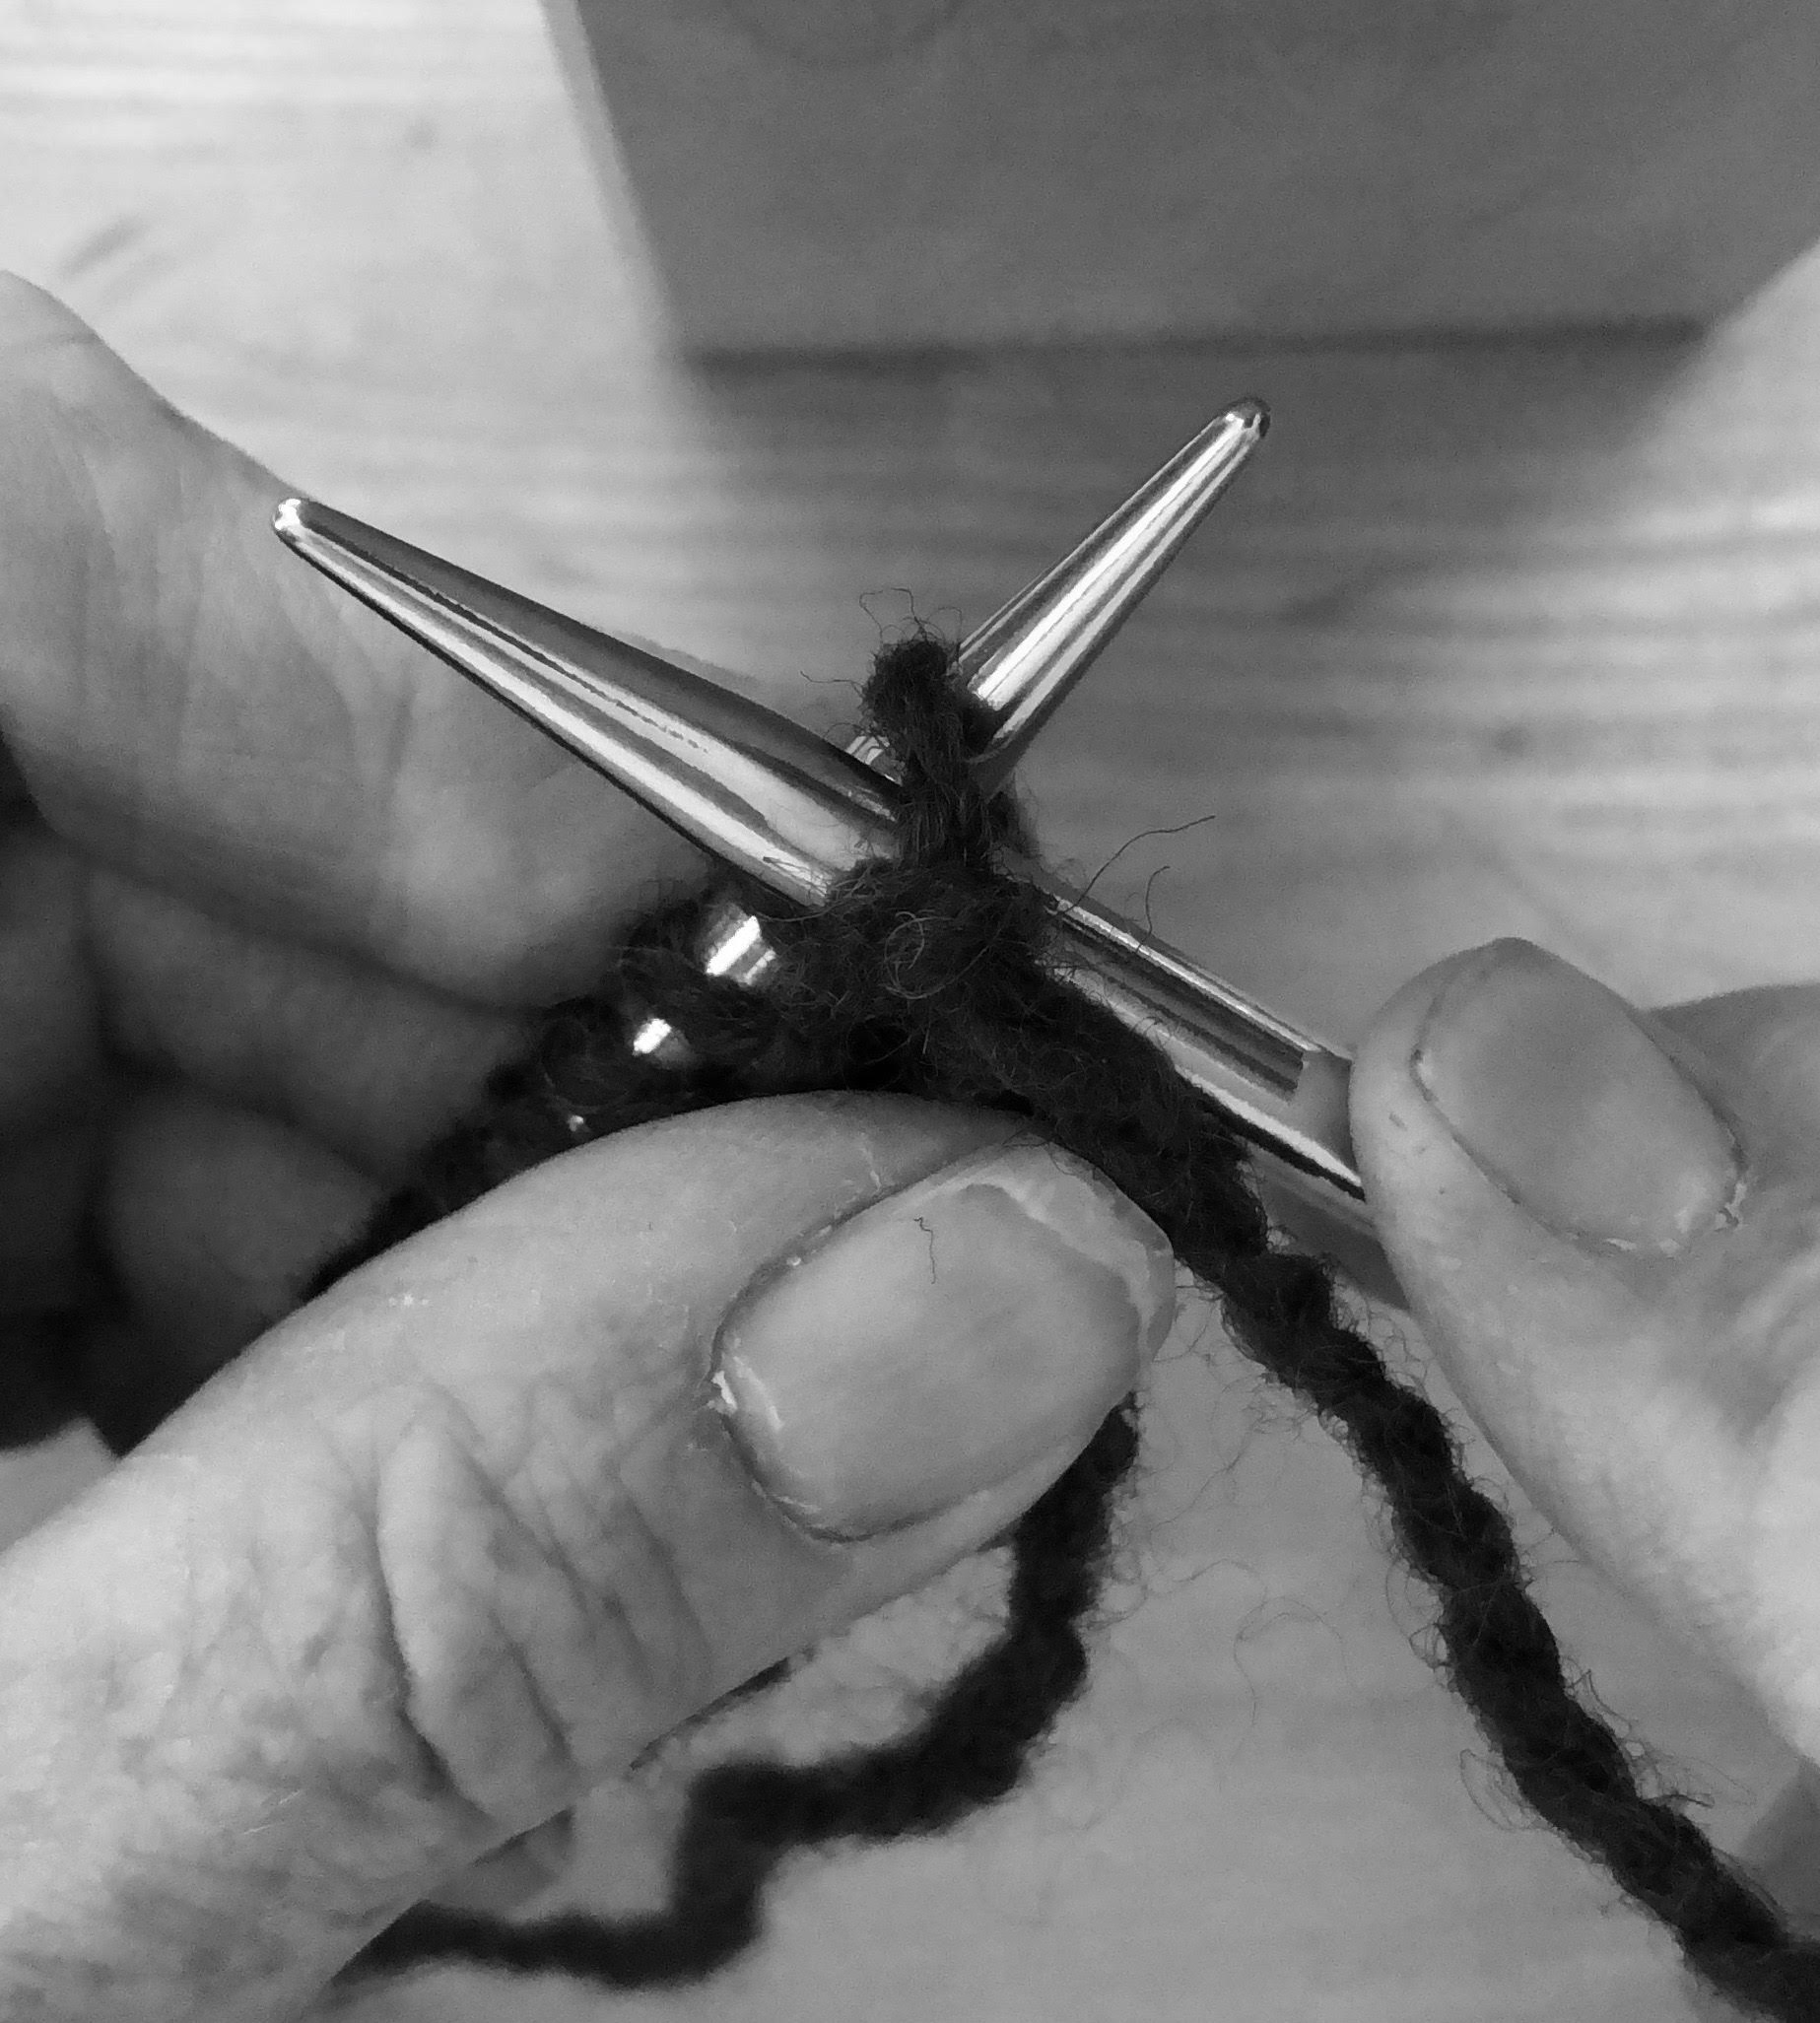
x: 1017, y: 667
x: 768, y: 797
x: 756, y: 789
x: 1023, y: 662
x: 745, y: 784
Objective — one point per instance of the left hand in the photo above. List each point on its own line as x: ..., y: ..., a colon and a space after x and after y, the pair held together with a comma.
x: 276, y: 892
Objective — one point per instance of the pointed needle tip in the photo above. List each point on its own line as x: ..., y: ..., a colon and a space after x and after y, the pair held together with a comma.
x: 291, y: 521
x: 1253, y: 411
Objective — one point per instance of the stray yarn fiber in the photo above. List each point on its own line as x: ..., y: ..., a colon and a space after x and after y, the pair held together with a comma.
x: 925, y: 977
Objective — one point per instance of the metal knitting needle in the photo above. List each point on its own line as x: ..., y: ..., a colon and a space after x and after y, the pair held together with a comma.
x: 1022, y: 664
x: 1018, y: 666
x: 790, y: 809
x: 756, y: 789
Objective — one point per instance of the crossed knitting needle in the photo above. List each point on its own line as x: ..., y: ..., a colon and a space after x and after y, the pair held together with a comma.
x: 799, y: 813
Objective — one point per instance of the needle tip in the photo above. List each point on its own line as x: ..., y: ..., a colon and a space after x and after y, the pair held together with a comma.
x: 291, y: 520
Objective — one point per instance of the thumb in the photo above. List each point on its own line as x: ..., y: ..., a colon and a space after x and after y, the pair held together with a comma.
x: 458, y: 1540
x: 1607, y: 1223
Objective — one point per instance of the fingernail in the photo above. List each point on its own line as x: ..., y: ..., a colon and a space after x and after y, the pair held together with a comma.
x: 942, y: 1339
x: 1557, y: 1091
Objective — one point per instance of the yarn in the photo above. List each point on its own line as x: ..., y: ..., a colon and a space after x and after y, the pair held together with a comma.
x: 924, y: 978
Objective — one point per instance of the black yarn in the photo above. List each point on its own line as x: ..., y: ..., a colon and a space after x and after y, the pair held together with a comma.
x: 741, y: 1819
x: 925, y: 979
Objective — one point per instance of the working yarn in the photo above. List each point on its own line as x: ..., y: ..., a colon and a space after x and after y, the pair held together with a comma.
x: 924, y: 978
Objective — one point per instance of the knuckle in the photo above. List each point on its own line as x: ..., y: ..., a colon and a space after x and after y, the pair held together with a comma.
x: 46, y: 348
x: 31, y: 316
x: 540, y: 1630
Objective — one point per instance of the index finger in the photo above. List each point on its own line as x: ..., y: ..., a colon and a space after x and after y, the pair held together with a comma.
x: 189, y: 705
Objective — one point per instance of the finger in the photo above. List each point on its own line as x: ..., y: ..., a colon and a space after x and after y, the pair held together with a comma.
x: 44, y: 1275
x: 1763, y: 1047
x: 212, y: 1220
x: 464, y: 1535
x: 370, y: 1065
x: 52, y: 1081
x: 51, y: 1077
x: 188, y: 703
x: 276, y: 1087
x: 1611, y: 1259
x: 49, y: 1041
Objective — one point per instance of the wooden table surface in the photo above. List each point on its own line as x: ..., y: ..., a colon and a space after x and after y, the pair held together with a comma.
x: 1491, y: 640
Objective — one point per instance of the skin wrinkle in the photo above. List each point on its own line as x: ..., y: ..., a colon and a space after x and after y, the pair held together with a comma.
x: 499, y: 1577
x: 103, y: 407
x: 153, y: 1904
x: 683, y: 1677
x: 440, y: 1772
x: 558, y: 1764
x: 64, y: 445
x: 109, y: 639
x: 306, y: 1665
x: 295, y: 1673
x: 196, y: 733
x: 544, y: 1527
x: 54, y: 1061
x: 608, y: 1532
x: 428, y: 1775
x: 605, y: 1614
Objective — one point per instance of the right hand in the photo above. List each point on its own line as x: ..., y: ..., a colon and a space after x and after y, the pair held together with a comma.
x: 400, y: 1575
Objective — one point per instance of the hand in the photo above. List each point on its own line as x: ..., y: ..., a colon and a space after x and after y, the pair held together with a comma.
x: 455, y: 1542
x: 1607, y: 1224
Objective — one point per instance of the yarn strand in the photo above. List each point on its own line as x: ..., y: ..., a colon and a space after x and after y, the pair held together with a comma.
x: 927, y: 977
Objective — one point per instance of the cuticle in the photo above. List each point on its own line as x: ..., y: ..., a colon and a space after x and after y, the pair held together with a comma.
x: 798, y: 1515
x: 729, y: 1425
x: 1473, y: 967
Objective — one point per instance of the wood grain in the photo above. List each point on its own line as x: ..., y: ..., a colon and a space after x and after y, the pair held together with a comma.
x: 1494, y: 639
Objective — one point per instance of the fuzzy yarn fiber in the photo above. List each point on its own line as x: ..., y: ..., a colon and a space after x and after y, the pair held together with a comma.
x: 924, y: 978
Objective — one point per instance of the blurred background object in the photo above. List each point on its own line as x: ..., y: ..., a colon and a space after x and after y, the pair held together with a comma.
x: 828, y: 173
